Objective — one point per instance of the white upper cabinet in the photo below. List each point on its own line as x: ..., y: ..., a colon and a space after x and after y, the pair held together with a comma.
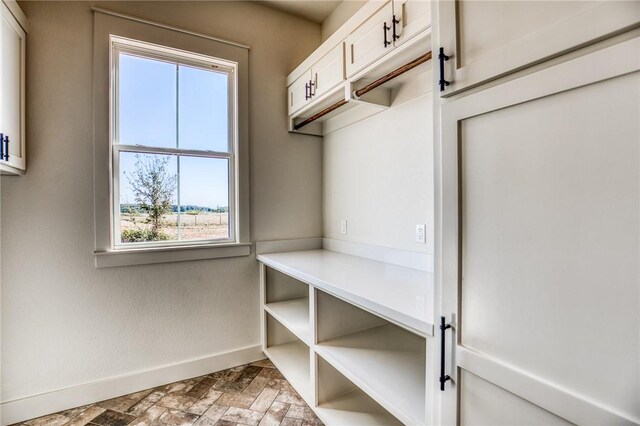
x: 370, y: 41
x: 411, y: 16
x: 12, y: 78
x: 323, y: 76
x: 299, y: 92
x: 488, y: 39
x: 395, y: 23
x: 328, y: 72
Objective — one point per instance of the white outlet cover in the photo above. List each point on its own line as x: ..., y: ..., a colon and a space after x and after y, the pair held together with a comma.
x: 343, y: 226
x: 421, y: 234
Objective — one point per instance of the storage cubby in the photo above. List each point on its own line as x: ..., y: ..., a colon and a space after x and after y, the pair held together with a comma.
x: 341, y: 402
x: 287, y: 300
x: 290, y: 355
x: 384, y: 360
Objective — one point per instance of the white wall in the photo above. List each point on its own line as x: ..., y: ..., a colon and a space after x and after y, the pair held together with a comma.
x: 63, y: 321
x: 339, y: 16
x: 378, y: 175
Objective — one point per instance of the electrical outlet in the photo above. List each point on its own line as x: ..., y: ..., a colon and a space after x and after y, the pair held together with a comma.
x: 421, y: 235
x: 343, y: 226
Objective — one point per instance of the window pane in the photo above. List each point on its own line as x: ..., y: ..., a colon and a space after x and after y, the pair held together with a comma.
x: 147, y: 102
x: 203, y: 100
x: 148, y: 194
x: 204, y: 198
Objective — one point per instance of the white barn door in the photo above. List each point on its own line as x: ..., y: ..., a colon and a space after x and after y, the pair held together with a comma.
x: 541, y: 246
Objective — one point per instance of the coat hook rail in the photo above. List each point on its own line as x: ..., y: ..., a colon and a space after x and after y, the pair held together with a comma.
x: 369, y: 87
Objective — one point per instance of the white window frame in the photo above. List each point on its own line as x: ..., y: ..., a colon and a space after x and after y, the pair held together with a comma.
x: 123, y: 45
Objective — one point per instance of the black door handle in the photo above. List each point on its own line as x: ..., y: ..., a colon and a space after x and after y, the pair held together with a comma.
x: 384, y: 30
x: 1, y: 146
x: 306, y: 92
x: 395, y: 34
x: 312, y: 93
x: 443, y: 377
x: 442, y: 82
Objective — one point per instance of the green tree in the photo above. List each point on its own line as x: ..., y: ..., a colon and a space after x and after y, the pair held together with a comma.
x: 153, y: 187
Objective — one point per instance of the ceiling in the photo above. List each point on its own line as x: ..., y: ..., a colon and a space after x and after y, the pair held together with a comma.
x: 313, y: 10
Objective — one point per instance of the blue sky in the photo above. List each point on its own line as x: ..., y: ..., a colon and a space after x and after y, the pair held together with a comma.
x: 165, y: 105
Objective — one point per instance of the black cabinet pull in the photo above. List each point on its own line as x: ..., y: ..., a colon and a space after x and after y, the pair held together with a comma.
x: 384, y: 30
x: 442, y: 57
x: 312, y: 92
x: 306, y: 92
x: 1, y: 146
x: 443, y: 377
x: 395, y: 34
x: 6, y: 148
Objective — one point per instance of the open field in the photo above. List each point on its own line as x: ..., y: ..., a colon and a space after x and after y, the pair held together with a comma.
x: 204, y: 226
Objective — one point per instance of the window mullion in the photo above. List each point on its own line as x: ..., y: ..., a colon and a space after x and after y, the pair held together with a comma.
x: 179, y: 216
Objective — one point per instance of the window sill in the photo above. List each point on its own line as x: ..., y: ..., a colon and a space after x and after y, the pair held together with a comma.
x: 146, y: 256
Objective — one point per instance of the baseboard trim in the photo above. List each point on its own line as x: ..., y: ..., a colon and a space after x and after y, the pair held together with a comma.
x: 26, y: 408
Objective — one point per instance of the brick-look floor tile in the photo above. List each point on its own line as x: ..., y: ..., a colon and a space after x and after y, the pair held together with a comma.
x: 280, y: 384
x: 151, y: 414
x: 290, y: 398
x: 303, y: 413
x: 244, y: 395
x: 121, y: 404
x: 264, y: 400
x: 233, y: 399
x: 205, y: 402
x: 113, y: 418
x: 276, y: 413
x: 148, y: 401
x: 242, y: 416
x: 176, y: 418
x: 212, y: 415
x: 256, y: 386
x: 202, y: 387
x: 51, y: 420
x: 180, y: 402
x: 86, y: 416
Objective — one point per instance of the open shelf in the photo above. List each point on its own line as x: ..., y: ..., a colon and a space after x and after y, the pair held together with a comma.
x: 386, y: 362
x: 340, y: 402
x: 290, y: 355
x: 294, y: 315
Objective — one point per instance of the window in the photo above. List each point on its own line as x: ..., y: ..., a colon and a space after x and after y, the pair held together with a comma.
x: 173, y: 140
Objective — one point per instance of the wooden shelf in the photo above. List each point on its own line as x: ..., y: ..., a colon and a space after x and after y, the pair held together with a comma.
x: 387, y: 363
x: 294, y: 315
x: 293, y: 361
x: 355, y: 408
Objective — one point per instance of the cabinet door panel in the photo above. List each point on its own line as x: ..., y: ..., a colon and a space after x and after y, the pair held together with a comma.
x: 328, y: 72
x: 540, y: 207
x: 414, y: 16
x: 488, y: 39
x: 366, y: 44
x: 298, y: 92
x: 13, y: 58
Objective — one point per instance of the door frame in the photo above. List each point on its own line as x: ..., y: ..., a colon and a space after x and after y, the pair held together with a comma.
x: 607, y: 63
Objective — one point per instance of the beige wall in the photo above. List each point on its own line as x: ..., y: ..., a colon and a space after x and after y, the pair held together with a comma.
x: 65, y: 322
x: 343, y: 12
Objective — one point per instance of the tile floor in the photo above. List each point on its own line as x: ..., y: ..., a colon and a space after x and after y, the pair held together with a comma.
x: 253, y: 394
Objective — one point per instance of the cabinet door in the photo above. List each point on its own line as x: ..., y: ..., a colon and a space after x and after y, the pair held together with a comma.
x: 328, y: 72
x: 299, y: 92
x: 412, y: 16
x: 488, y: 39
x: 540, y: 206
x: 367, y: 42
x: 13, y: 63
